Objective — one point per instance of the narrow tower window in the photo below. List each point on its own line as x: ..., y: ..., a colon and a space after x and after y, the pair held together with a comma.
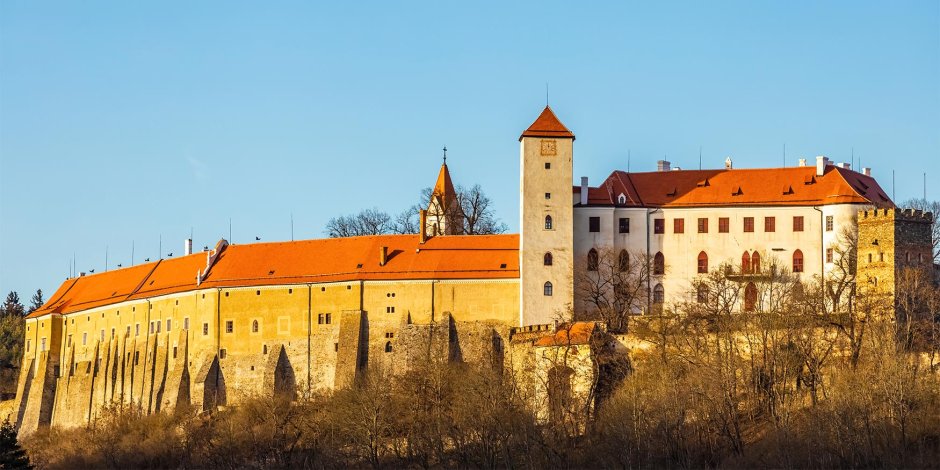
x: 548, y: 222
x: 592, y: 260
x: 547, y: 288
x: 659, y: 263
x: 547, y: 260
x: 798, y: 261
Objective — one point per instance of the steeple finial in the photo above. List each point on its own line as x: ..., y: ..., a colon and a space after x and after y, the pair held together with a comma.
x: 445, y: 154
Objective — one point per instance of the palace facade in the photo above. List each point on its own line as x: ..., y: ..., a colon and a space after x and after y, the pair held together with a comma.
x: 206, y: 329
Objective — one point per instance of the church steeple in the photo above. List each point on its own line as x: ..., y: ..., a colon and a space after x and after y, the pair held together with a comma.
x: 444, y: 214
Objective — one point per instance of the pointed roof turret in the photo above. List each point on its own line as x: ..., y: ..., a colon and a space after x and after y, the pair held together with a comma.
x: 444, y: 188
x: 547, y: 125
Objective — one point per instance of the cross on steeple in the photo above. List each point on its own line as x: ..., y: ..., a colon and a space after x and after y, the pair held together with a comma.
x: 445, y: 154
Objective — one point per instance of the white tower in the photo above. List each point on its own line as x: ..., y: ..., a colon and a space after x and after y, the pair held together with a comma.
x: 546, y: 241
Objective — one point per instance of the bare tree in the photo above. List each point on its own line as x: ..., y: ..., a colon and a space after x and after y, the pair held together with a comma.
x: 477, y: 211
x: 366, y: 222
x: 613, y: 286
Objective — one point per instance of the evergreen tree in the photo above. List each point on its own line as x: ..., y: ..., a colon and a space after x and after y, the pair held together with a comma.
x: 11, y: 454
x: 36, y: 301
x: 12, y: 306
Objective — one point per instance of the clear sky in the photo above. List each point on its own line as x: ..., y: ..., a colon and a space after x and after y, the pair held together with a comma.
x: 121, y: 122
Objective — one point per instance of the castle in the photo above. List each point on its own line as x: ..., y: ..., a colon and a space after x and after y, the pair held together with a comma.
x: 208, y: 328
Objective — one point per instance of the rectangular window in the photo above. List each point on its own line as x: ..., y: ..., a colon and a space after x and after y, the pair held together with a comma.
x: 389, y: 309
x: 174, y: 352
x: 137, y: 329
x: 68, y: 341
x: 829, y: 255
x: 186, y: 323
x: 151, y: 328
x: 42, y: 344
x: 136, y: 357
x: 724, y: 224
x: 28, y: 342
x: 222, y: 354
x: 797, y: 223
x: 329, y: 320
x: 169, y: 325
x: 659, y: 226
x: 770, y: 224
x: 829, y: 223
x: 159, y: 324
x: 84, y: 339
x: 102, y: 335
x: 678, y: 225
x: 229, y: 326
x: 112, y: 333
x: 548, y: 166
x: 748, y: 224
x: 127, y: 333
x: 594, y: 224
x: 319, y: 319
x: 702, y: 225
x: 548, y: 195
x: 205, y: 329
x: 624, y: 225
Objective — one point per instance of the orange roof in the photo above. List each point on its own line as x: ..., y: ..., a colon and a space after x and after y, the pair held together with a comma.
x: 567, y: 335
x: 444, y: 188
x: 792, y: 186
x: 324, y: 260
x: 547, y: 125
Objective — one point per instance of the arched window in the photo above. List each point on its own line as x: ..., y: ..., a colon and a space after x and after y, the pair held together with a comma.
x: 254, y: 326
x: 750, y: 297
x: 547, y: 288
x: 798, y: 261
x: 548, y: 222
x: 658, y: 294
x: 621, y: 199
x: 701, y: 294
x: 755, y: 263
x: 388, y: 346
x: 702, y: 263
x: 745, y: 263
x: 592, y: 260
x: 623, y: 261
x: 659, y: 263
x: 547, y: 259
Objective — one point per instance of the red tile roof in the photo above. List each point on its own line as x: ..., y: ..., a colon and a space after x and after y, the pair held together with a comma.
x: 569, y: 334
x: 325, y: 260
x: 793, y: 186
x: 547, y: 125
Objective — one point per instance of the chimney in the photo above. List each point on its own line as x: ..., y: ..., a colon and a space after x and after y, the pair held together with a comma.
x: 422, y: 225
x: 821, y: 164
x: 866, y: 171
x: 662, y: 165
x: 383, y: 255
x: 802, y: 162
x: 843, y: 165
x: 584, y: 190
x: 728, y: 163
x: 188, y: 247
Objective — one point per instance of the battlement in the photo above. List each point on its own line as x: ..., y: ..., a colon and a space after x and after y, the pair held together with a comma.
x: 907, y: 215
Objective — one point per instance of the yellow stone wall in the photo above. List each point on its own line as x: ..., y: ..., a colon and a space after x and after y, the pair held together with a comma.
x: 155, y: 353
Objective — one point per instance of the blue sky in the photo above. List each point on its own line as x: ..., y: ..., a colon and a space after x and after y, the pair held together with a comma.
x: 121, y: 122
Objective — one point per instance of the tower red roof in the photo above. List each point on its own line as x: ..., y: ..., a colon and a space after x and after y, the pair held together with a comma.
x: 547, y: 125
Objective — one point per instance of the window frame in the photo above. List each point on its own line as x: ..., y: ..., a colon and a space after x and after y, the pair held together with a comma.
x: 748, y: 224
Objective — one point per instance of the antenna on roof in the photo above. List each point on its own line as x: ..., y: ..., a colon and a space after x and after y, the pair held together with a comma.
x: 892, y: 184
x: 925, y: 186
x: 784, y: 154
x: 628, y: 160
x: 160, y: 253
x: 699, y: 157
x: 106, y: 257
x: 546, y: 94
x: 132, y: 252
x: 230, y: 230
x: 291, y: 226
x: 853, y: 157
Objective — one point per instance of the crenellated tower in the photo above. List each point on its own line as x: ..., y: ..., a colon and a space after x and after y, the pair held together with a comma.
x: 546, y: 240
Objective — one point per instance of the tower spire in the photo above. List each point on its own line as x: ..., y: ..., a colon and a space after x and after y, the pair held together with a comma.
x: 445, y: 154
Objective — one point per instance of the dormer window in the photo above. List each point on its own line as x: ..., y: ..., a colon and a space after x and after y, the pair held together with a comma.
x: 621, y: 199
